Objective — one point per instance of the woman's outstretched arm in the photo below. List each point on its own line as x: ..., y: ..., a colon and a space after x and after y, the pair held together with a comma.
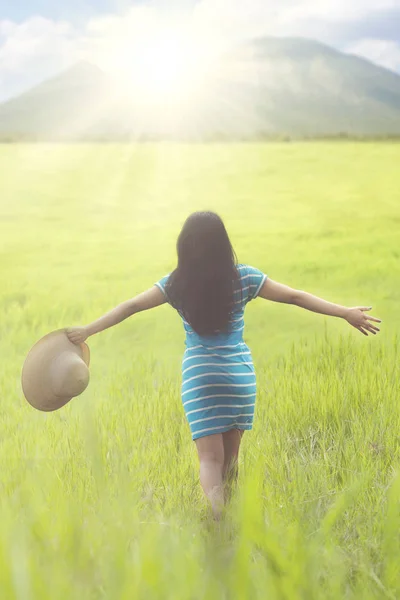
x: 144, y: 301
x: 278, y: 292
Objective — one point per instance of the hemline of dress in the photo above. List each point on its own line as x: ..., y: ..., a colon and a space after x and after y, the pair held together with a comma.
x: 196, y: 436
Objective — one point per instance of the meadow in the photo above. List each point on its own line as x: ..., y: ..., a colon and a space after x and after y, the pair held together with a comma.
x: 101, y: 499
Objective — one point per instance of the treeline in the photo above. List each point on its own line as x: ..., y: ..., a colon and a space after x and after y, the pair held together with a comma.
x: 212, y: 138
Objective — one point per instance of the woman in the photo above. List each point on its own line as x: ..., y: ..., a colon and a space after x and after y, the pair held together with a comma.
x: 210, y: 291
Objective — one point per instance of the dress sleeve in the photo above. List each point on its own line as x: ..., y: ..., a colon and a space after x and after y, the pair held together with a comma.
x: 162, y: 283
x: 255, y: 281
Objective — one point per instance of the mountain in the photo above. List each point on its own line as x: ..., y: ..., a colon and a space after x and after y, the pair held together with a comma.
x: 267, y: 86
x: 54, y: 108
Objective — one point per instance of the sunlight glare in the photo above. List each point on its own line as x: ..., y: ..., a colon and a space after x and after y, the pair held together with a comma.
x: 162, y: 65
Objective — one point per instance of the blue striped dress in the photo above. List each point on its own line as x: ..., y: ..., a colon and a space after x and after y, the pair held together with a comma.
x: 218, y: 377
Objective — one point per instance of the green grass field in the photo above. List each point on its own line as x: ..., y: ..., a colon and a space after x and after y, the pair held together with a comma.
x: 101, y: 499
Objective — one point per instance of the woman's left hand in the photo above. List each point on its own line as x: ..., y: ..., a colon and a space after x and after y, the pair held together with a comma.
x: 77, y: 335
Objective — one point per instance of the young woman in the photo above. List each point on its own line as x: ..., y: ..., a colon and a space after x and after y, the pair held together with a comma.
x: 210, y: 292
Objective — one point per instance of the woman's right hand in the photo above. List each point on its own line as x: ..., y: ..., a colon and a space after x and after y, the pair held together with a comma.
x: 77, y: 335
x: 356, y: 317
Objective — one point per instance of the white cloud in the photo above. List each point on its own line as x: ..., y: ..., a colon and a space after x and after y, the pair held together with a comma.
x: 229, y: 20
x: 32, y: 39
x: 338, y: 10
x: 286, y: 16
x: 110, y: 35
x: 38, y: 47
x: 33, y: 50
x: 382, y: 52
x: 6, y: 27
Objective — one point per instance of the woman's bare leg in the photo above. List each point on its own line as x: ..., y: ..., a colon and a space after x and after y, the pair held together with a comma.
x: 231, y: 441
x: 211, y: 456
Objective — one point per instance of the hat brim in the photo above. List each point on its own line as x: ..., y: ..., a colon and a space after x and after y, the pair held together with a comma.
x: 34, y: 377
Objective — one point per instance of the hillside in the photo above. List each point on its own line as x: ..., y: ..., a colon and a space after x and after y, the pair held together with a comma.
x: 268, y: 86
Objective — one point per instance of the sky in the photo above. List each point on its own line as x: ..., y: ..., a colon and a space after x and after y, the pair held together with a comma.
x: 39, y: 38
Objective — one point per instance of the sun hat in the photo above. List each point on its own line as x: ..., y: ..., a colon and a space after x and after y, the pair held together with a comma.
x: 55, y: 371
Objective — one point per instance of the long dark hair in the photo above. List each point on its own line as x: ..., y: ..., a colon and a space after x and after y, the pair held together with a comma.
x: 201, y: 287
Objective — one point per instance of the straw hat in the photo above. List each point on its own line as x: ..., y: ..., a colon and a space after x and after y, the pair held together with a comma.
x: 55, y: 371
